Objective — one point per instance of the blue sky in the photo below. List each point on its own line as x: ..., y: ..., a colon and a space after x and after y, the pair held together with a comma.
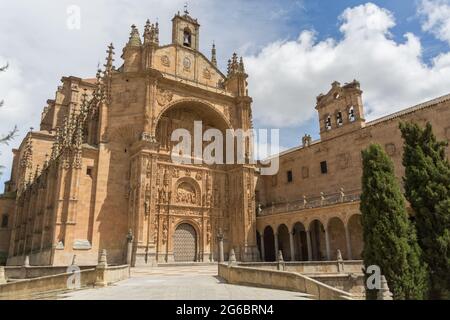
x: 293, y: 50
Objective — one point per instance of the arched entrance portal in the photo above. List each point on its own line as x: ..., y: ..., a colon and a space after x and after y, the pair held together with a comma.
x: 185, y: 243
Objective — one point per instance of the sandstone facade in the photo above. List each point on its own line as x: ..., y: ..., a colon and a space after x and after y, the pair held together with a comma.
x: 98, y: 174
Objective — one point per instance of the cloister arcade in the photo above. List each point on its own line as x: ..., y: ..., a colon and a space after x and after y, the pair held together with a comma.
x: 311, y: 236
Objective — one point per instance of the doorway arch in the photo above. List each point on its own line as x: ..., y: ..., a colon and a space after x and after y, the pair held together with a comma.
x: 185, y: 243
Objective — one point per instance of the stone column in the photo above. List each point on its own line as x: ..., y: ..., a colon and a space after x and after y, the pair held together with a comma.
x: 291, y: 245
x: 263, y: 251
x: 349, y: 244
x: 276, y: 245
x: 220, y: 243
x: 327, y: 243
x: 308, y: 240
x: 129, y: 247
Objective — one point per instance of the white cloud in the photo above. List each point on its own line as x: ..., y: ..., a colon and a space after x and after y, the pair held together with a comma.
x: 286, y: 76
x: 436, y: 14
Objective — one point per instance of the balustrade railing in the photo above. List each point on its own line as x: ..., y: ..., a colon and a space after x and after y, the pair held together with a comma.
x: 309, y: 202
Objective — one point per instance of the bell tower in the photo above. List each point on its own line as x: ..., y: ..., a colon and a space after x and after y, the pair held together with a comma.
x: 185, y: 30
x: 340, y: 110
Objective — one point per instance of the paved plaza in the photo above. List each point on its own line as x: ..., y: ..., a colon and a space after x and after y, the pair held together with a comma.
x: 179, y: 283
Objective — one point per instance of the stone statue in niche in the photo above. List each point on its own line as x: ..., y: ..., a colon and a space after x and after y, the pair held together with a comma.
x: 164, y: 232
x: 208, y: 232
x: 147, y: 207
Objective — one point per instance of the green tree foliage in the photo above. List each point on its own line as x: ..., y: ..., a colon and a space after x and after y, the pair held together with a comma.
x: 389, y: 237
x: 427, y: 188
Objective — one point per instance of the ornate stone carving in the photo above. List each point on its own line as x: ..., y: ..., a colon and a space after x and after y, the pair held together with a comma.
x: 186, y: 194
x: 306, y: 140
x: 165, y: 232
x: 206, y: 74
x: 187, y: 63
x: 165, y: 61
x: 163, y: 96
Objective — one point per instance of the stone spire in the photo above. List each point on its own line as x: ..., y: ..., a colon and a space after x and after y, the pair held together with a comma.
x: 214, y: 55
x: 135, y: 39
x: 235, y: 65
x: 109, y: 65
x: 27, y: 157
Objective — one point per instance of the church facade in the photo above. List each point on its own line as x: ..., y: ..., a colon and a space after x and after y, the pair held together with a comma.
x: 99, y: 172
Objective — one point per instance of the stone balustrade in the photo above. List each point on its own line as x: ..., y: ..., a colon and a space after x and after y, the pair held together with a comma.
x: 310, y: 202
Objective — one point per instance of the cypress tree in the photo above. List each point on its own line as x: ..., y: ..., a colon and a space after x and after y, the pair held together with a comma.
x: 427, y: 188
x: 389, y: 236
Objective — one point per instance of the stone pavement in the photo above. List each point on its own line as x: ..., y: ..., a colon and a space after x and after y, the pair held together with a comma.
x: 179, y: 283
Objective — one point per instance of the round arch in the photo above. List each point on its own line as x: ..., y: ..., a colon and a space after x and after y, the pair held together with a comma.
x: 355, y: 231
x: 269, y: 244
x: 336, y: 233
x: 284, y: 242
x: 318, y: 245
x: 204, y: 105
x: 186, y: 241
x: 300, y: 242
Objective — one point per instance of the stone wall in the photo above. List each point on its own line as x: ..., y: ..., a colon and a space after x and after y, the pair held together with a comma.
x: 26, y: 289
x: 282, y: 280
x: 37, y: 272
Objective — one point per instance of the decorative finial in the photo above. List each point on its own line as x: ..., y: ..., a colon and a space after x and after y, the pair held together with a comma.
x: 109, y: 59
x: 186, y: 11
x: 135, y: 39
x: 213, y: 54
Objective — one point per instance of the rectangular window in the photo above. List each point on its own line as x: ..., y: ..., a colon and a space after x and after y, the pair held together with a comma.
x: 324, y: 167
x: 290, y: 177
x: 4, y: 221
